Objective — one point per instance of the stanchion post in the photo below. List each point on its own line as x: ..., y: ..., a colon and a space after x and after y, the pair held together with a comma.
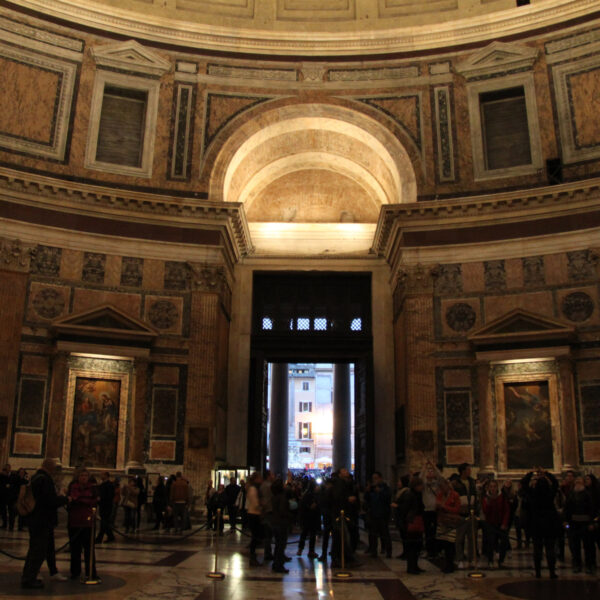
x: 343, y: 574
x: 476, y: 574
x: 90, y: 579
x: 216, y: 574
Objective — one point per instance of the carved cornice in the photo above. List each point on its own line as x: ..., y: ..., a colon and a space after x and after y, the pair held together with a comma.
x: 60, y: 195
x: 506, y: 207
x: 470, y: 30
x: 14, y: 256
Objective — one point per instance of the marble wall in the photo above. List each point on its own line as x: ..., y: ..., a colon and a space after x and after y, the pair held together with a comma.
x: 48, y: 285
x: 434, y: 325
x: 47, y: 117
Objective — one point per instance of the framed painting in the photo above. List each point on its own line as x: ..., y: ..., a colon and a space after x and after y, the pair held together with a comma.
x: 96, y: 419
x: 528, y: 422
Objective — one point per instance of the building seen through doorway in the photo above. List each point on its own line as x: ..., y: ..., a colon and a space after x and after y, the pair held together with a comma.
x: 311, y: 416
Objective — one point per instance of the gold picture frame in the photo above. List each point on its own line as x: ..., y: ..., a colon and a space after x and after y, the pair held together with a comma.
x: 513, y: 384
x: 123, y: 378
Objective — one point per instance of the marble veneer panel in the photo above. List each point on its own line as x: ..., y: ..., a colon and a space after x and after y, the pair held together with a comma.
x: 41, y: 88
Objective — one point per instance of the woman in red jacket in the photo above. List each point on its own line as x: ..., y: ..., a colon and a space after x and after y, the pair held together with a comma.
x: 496, y: 511
x: 83, y: 499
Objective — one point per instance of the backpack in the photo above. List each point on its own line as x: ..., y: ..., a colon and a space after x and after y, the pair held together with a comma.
x: 25, y: 501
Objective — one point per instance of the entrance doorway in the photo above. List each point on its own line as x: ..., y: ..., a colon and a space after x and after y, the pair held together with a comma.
x: 311, y: 318
x: 311, y: 417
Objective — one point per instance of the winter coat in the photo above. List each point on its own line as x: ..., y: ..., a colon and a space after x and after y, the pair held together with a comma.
x: 84, y: 499
x: 496, y: 510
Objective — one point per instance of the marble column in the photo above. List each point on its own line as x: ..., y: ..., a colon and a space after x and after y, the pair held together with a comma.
x: 58, y: 405
x: 342, y: 419
x: 278, y: 426
x: 487, y: 435
x: 138, y: 415
x: 568, y: 415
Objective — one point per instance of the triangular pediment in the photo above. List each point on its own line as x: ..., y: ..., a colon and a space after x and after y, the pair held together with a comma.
x: 104, y: 321
x: 130, y: 56
x: 521, y: 326
x: 496, y: 58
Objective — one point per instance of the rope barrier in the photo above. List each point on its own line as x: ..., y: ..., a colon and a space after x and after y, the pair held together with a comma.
x: 15, y: 557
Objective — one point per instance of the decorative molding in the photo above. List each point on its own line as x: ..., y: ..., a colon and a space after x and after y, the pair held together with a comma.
x: 375, y: 74
x: 316, y: 10
x: 152, y: 88
x: 216, y: 70
x: 417, y: 279
x: 183, y: 130
x: 408, y: 38
x: 55, y: 148
x: 113, y: 202
x: 474, y: 90
x: 570, y: 42
x: 41, y: 40
x: 573, y: 148
x: 208, y: 278
x: 444, y: 133
x: 563, y: 199
x: 313, y: 73
x: 14, y: 255
x: 231, y: 8
x: 402, y: 8
x: 130, y: 56
x: 496, y: 59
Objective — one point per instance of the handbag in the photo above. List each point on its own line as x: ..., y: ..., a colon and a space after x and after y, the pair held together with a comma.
x: 417, y: 525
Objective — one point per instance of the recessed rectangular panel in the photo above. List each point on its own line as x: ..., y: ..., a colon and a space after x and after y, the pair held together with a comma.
x: 164, y: 411
x: 32, y: 395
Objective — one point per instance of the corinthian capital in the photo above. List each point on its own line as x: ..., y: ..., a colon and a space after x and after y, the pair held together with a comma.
x: 15, y: 255
x: 207, y: 278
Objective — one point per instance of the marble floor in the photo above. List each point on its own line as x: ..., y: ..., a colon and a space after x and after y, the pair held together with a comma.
x: 165, y: 566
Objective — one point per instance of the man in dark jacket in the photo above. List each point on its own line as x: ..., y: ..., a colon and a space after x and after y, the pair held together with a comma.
x: 540, y: 488
x: 106, y: 491
x: 14, y: 485
x: 41, y: 523
x: 231, y: 493
x: 342, y: 496
x: 4, y: 489
x: 378, y: 500
x: 579, y: 519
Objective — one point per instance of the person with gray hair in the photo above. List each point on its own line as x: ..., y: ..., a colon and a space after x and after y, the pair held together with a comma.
x: 41, y: 523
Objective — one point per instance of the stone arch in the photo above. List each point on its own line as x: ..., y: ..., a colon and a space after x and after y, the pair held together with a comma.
x: 279, y: 138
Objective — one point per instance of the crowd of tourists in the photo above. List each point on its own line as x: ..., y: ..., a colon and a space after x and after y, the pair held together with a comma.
x: 92, y: 508
x: 458, y: 521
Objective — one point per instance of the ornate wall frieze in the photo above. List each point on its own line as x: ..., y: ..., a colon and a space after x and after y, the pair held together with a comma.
x: 375, y: 74
x: 235, y: 72
x: 417, y: 279
x: 208, y: 278
x: 15, y: 255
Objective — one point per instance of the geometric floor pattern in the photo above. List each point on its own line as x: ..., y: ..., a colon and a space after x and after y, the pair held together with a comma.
x: 164, y: 567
